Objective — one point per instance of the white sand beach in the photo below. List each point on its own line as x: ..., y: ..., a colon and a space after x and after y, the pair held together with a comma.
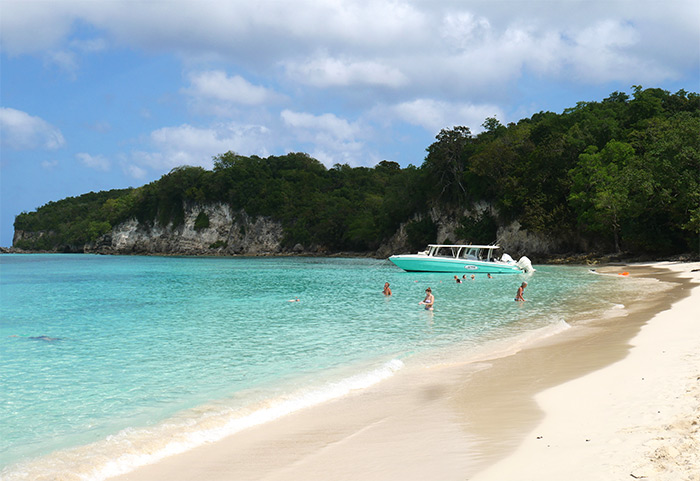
x: 638, y: 418
x: 619, y: 399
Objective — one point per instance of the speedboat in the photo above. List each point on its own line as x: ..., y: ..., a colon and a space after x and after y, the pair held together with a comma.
x: 467, y: 258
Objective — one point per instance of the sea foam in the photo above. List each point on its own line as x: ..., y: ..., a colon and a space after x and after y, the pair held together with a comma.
x: 132, y: 448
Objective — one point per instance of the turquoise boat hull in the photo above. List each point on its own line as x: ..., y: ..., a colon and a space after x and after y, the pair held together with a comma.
x: 422, y: 263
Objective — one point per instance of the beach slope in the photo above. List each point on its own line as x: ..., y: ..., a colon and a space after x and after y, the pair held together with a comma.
x: 617, y: 399
x: 638, y: 418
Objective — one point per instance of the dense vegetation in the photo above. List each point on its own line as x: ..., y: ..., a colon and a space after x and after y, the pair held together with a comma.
x: 620, y: 174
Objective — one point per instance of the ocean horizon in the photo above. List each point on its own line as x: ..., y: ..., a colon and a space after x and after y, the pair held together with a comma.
x: 112, y: 362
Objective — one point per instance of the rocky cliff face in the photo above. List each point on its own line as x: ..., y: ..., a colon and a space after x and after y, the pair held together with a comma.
x: 216, y: 229
x: 514, y: 240
x: 224, y: 232
x: 521, y: 242
x: 26, y: 236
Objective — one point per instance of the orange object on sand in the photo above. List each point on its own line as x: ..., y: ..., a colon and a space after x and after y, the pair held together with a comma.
x: 624, y: 273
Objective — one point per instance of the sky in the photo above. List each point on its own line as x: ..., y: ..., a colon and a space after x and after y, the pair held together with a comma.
x: 105, y: 94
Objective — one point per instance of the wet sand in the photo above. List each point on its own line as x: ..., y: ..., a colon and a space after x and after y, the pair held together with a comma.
x: 612, y: 399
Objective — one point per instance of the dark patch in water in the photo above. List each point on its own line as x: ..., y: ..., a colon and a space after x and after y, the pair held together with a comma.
x: 45, y: 338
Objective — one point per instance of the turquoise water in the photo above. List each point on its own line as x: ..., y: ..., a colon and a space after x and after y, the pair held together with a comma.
x: 108, y: 362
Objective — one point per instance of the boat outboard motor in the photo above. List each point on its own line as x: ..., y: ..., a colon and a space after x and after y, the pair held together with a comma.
x: 506, y: 258
x: 525, y: 264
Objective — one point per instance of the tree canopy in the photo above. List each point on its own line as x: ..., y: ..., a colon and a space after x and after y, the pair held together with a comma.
x: 621, y: 174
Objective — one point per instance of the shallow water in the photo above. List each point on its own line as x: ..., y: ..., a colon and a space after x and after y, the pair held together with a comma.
x: 110, y: 362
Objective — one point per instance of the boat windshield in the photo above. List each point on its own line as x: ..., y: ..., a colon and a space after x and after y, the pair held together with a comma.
x: 466, y: 252
x: 445, y: 251
x: 472, y: 254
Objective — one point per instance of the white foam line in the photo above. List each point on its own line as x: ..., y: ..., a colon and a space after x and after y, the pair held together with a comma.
x: 133, y: 448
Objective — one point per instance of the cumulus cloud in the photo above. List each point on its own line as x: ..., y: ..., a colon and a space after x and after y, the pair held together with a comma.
x: 195, y: 146
x: 97, y: 162
x: 216, y: 85
x: 21, y: 131
x: 461, y: 29
x: 334, y: 139
x: 428, y: 64
x: 29, y: 27
x: 134, y: 171
x: 332, y: 72
x: 388, y: 43
x: 604, y: 52
x: 435, y: 115
x: 330, y: 124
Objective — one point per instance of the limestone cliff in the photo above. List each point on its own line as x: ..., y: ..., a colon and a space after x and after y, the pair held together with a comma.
x: 216, y: 229
x: 514, y: 240
x: 223, y: 232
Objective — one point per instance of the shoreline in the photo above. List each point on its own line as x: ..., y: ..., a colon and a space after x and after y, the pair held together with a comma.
x: 589, y: 259
x: 462, y: 421
x: 636, y: 417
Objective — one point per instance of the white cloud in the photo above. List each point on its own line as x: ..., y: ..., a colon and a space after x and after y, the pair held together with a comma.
x: 21, y: 131
x: 49, y: 164
x: 134, y: 171
x: 461, y: 29
x: 435, y: 115
x: 605, y: 51
x: 216, y: 85
x: 428, y: 64
x: 66, y: 61
x: 332, y: 72
x: 92, y: 45
x: 97, y: 162
x: 195, y: 146
x: 29, y: 27
x: 334, y: 139
x: 325, y: 124
x: 408, y: 44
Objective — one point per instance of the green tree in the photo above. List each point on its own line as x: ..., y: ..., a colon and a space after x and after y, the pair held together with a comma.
x: 446, y: 163
x: 601, y: 185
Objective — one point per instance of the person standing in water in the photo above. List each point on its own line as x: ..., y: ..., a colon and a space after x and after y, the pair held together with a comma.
x: 429, y: 300
x: 519, y: 294
x: 387, y: 290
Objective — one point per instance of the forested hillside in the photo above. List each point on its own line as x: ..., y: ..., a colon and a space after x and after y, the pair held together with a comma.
x: 621, y: 174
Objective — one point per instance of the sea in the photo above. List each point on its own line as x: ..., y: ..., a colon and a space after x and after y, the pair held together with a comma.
x: 108, y: 363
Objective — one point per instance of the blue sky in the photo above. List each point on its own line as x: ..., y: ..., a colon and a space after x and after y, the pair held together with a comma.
x: 96, y: 95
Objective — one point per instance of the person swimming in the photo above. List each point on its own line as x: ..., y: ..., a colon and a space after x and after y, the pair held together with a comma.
x: 387, y: 289
x: 519, y: 294
x: 429, y: 301
x: 458, y: 280
x: 45, y: 338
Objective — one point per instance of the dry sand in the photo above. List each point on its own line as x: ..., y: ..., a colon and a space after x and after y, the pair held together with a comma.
x: 610, y: 400
x: 638, y: 418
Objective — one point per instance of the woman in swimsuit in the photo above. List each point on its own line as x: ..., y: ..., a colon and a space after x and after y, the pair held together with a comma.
x: 429, y: 300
